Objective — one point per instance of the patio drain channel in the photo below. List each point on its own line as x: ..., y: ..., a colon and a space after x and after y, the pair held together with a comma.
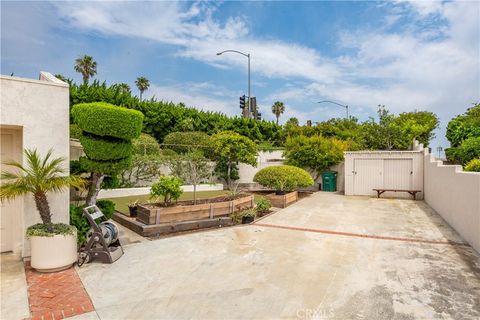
x: 360, y: 235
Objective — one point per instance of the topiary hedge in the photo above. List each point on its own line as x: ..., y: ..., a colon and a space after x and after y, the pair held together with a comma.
x: 105, y: 167
x: 98, y: 148
x: 283, y: 178
x: 122, y: 123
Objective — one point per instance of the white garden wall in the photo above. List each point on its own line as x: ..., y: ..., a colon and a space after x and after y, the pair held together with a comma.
x: 38, y: 110
x: 124, y: 192
x: 454, y: 195
x: 264, y: 159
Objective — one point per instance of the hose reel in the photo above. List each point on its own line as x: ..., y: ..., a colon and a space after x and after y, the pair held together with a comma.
x: 102, y: 239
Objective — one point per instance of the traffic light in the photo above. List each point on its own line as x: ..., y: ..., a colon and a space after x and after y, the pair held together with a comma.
x: 259, y: 116
x: 242, y: 102
x: 253, y: 104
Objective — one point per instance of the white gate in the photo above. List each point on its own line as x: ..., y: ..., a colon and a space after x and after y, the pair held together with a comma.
x: 367, y: 175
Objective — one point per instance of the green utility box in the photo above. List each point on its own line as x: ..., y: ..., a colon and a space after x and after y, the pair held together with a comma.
x: 329, y: 181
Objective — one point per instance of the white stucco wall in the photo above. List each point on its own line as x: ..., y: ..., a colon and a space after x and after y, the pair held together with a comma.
x: 125, y: 192
x: 40, y: 110
x: 264, y: 159
x: 455, y: 195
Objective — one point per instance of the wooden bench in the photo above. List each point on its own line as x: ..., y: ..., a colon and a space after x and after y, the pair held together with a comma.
x: 413, y: 193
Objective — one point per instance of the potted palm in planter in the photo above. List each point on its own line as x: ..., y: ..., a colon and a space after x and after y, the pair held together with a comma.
x: 53, y: 245
x: 132, y: 208
x: 248, y: 216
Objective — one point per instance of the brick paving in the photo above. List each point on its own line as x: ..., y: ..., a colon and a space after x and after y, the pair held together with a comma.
x: 56, y: 295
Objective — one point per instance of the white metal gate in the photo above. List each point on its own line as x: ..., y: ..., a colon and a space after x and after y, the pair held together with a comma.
x: 367, y: 175
x: 372, y: 174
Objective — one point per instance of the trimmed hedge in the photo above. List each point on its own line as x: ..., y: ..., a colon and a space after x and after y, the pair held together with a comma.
x: 104, y: 119
x: 283, y: 178
x: 105, y: 167
x: 98, y: 148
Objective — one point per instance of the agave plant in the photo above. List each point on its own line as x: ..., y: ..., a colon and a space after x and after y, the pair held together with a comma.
x: 38, y: 177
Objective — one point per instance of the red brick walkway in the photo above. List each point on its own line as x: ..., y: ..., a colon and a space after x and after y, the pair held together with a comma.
x: 56, y: 295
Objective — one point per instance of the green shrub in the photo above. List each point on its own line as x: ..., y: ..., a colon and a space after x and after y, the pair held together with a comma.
x: 183, y: 142
x: 107, y: 207
x: 110, y: 182
x: 167, y: 187
x: 283, y: 178
x: 101, y: 148
x: 105, y: 167
x: 42, y: 230
x: 78, y: 220
x: 145, y: 145
x: 473, y: 165
x: 75, y: 131
x: 104, y: 119
x: 263, y: 205
x: 469, y: 149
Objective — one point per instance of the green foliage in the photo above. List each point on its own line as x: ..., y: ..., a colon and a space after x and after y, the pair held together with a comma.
x: 314, y: 153
x: 107, y: 207
x: 145, y: 144
x: 473, y: 165
x: 86, y: 66
x: 102, y: 148
x: 104, y: 119
x: 38, y: 177
x: 105, y: 167
x: 142, y: 170
x: 183, y: 142
x: 417, y: 125
x: 167, y: 187
x: 110, y: 182
x: 252, y: 212
x: 283, y: 178
x: 469, y: 149
x: 78, y: 219
x: 50, y: 230
x: 263, y: 205
x: 230, y: 149
x: 75, y: 131
x: 162, y: 118
x: 464, y: 126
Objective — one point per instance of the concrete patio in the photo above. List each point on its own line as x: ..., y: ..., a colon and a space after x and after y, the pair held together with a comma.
x: 326, y: 257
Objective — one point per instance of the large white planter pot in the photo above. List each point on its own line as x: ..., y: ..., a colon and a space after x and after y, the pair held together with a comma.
x: 50, y: 254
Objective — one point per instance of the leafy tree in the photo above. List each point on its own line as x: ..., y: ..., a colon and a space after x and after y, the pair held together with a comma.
x: 39, y: 177
x: 467, y: 151
x: 142, y: 84
x: 86, y: 66
x: 167, y: 187
x: 107, y: 131
x: 230, y: 149
x: 193, y: 168
x: 278, y: 109
x: 464, y: 126
x: 147, y: 161
x: 314, y: 153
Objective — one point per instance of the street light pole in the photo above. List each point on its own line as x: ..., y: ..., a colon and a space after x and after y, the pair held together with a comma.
x: 247, y: 112
x: 338, y: 104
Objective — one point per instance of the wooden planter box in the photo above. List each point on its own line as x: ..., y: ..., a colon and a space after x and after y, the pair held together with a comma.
x: 282, y: 201
x: 158, y: 215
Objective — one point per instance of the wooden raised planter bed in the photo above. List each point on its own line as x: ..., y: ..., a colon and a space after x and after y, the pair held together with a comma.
x: 155, y: 214
x: 282, y: 201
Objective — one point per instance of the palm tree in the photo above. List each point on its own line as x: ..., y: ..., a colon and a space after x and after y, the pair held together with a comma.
x: 278, y: 108
x: 86, y: 66
x: 38, y: 177
x: 142, y: 85
x: 124, y: 88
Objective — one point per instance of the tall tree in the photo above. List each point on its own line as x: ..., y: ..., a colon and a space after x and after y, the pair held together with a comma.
x: 278, y: 109
x: 124, y: 88
x: 86, y: 66
x: 142, y: 85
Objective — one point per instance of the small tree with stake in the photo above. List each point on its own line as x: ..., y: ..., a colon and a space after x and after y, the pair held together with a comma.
x: 107, y: 131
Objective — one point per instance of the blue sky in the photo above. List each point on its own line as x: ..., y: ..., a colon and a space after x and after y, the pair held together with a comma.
x: 407, y: 55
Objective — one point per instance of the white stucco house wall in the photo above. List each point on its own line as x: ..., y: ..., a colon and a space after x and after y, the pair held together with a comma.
x: 34, y: 114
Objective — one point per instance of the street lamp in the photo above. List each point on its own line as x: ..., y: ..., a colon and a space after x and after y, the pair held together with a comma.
x: 338, y: 104
x: 248, y: 56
